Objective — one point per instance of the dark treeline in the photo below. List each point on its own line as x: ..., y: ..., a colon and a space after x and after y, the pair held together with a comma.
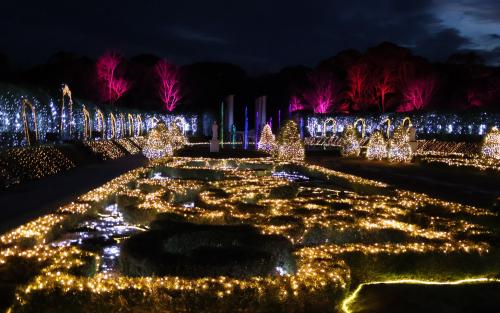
x: 383, y: 78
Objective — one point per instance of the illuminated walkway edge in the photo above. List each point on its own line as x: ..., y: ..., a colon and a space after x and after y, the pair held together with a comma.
x: 350, y: 299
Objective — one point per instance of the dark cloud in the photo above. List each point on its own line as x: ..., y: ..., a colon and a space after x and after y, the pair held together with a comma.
x: 493, y: 55
x: 438, y: 46
x: 261, y: 35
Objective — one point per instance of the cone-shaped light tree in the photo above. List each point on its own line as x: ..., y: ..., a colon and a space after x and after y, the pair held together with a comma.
x: 158, y: 143
x: 377, y: 146
x: 349, y: 142
x: 491, y: 144
x: 399, y: 146
x: 267, y: 142
x: 289, y: 145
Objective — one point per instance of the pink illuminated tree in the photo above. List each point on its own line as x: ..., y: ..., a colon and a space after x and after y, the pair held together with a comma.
x: 296, y: 104
x: 418, y: 94
x: 169, y: 84
x: 357, y: 76
x: 323, y: 92
x: 384, y: 84
x: 113, y: 86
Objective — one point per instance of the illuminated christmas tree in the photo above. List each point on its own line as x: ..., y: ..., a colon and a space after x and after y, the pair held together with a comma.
x: 399, y: 146
x: 377, y: 147
x: 158, y: 143
x: 491, y: 144
x: 349, y: 143
x: 176, y: 137
x: 267, y: 141
x: 289, y: 145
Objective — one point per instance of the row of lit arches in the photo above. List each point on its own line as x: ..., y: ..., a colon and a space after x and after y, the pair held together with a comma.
x: 331, y: 121
x: 66, y: 121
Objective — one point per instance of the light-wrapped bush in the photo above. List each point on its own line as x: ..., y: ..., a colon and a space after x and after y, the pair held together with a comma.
x: 399, y: 146
x: 289, y: 145
x: 377, y: 147
x: 491, y: 144
x: 349, y: 142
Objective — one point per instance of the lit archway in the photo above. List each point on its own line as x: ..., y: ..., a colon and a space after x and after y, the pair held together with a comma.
x: 139, y: 123
x: 101, y: 126
x: 407, y: 119
x: 388, y: 131
x: 122, y: 125
x: 66, y: 93
x: 25, y: 103
x: 113, y: 125
x: 179, y: 121
x: 363, y: 124
x: 87, y: 124
x: 130, y: 125
x: 334, y: 126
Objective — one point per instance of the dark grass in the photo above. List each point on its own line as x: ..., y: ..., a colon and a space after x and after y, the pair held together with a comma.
x: 396, y: 298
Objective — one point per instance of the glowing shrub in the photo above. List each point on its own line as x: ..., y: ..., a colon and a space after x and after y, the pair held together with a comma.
x: 399, y: 146
x: 289, y: 145
x: 163, y: 141
x: 349, y: 143
x: 377, y: 147
x: 491, y: 144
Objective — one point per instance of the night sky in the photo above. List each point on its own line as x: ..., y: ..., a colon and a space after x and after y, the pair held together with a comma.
x: 258, y: 35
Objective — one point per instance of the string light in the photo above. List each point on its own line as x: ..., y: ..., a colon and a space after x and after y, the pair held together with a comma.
x: 163, y: 141
x: 289, y: 144
x: 349, y: 144
x: 491, y: 144
x: 267, y: 142
x: 376, y: 147
x: 318, y: 214
x: 399, y: 147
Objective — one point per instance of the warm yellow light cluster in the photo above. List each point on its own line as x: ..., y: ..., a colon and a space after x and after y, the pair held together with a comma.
x: 267, y: 142
x: 128, y: 145
x: 107, y: 149
x: 376, y: 148
x: 162, y: 141
x: 399, y: 149
x: 289, y: 145
x: 349, y: 142
x: 491, y: 144
x: 474, y: 162
x: 317, y: 218
x: 20, y: 164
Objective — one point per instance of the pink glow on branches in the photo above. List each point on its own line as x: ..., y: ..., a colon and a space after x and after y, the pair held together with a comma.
x: 384, y: 85
x: 296, y: 104
x: 322, y: 94
x: 418, y: 94
x: 357, y: 76
x: 113, y: 87
x: 169, y: 84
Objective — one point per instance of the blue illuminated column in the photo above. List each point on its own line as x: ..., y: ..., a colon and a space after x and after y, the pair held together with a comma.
x: 257, y: 122
x: 279, y: 119
x: 245, y: 134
